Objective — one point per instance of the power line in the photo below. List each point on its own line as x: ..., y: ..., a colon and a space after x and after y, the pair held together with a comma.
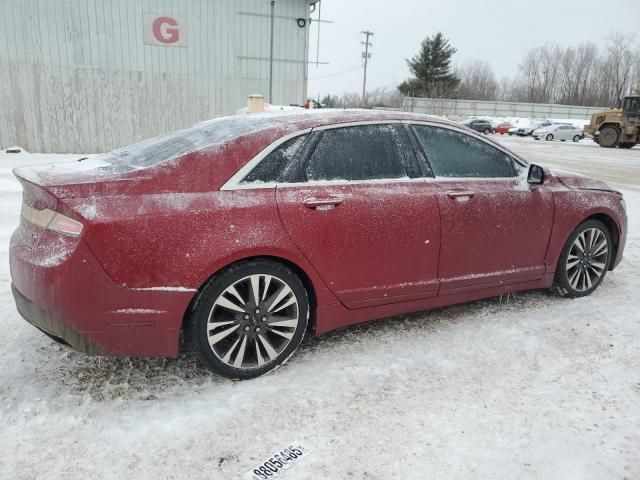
x: 338, y: 73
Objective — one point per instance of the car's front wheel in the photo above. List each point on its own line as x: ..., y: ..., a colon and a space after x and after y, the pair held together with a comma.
x: 576, y: 138
x: 249, y: 319
x: 584, y: 260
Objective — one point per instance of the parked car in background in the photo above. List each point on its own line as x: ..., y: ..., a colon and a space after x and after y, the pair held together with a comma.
x: 252, y: 212
x: 483, y: 126
x: 502, y: 128
x: 559, y: 132
x: 529, y: 129
x: 513, y: 130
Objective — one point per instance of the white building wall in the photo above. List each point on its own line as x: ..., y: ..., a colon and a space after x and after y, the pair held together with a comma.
x: 76, y: 75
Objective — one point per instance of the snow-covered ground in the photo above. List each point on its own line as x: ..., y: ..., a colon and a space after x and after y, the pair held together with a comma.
x: 531, y: 387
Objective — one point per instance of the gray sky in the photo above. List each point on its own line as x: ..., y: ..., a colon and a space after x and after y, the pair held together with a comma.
x: 499, y: 31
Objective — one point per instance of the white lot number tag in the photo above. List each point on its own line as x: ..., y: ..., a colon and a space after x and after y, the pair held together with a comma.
x: 278, y: 463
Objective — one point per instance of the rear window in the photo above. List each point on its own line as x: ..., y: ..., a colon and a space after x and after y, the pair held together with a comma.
x: 156, y: 150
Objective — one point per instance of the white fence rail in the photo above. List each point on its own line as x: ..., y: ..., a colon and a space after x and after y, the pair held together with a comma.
x: 445, y: 106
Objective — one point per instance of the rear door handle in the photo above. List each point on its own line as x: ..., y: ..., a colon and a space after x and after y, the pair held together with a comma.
x: 325, y: 203
x: 460, y: 195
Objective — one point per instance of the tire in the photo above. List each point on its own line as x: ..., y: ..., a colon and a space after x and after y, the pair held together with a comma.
x: 579, y: 273
x: 627, y: 145
x: 229, y: 299
x: 576, y: 138
x: 608, y: 137
x: 487, y: 131
x: 549, y: 137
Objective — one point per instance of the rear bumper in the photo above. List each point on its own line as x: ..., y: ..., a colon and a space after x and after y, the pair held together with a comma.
x: 52, y: 326
x: 60, y: 288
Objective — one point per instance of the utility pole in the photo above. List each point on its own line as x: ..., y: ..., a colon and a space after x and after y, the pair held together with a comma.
x: 366, y: 56
x: 273, y: 4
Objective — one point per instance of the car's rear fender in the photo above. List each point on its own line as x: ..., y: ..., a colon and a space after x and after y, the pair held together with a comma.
x: 181, y: 240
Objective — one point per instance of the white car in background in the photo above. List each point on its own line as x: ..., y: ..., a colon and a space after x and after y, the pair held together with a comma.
x: 559, y: 132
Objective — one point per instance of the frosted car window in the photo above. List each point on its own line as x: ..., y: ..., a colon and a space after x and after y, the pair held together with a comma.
x: 364, y: 152
x: 454, y: 154
x: 272, y: 166
x: 154, y: 151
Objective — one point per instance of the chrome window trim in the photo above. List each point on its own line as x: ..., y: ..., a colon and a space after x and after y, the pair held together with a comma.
x: 235, y: 182
x: 378, y: 181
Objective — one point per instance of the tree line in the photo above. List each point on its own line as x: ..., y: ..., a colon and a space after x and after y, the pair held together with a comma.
x: 588, y: 74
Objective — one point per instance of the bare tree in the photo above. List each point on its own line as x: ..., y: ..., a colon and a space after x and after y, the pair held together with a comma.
x: 635, y: 84
x: 477, y: 81
x: 620, y: 60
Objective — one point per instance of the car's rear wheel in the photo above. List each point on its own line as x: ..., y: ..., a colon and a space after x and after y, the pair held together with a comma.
x: 487, y: 131
x: 249, y: 319
x: 549, y: 137
x: 627, y: 145
x: 576, y: 138
x: 584, y: 260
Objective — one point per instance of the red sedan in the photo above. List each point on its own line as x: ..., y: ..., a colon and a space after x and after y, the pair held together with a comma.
x: 248, y: 232
x: 502, y: 128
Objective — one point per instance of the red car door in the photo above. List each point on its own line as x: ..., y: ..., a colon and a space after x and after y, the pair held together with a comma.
x: 372, y: 233
x: 495, y: 228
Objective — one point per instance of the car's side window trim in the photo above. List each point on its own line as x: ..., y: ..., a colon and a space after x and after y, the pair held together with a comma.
x: 235, y: 182
x: 419, y: 154
x: 512, y: 157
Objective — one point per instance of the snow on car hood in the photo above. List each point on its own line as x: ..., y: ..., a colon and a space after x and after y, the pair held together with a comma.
x: 578, y: 181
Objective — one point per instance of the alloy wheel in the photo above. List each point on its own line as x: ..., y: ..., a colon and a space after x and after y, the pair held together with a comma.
x: 252, y: 321
x: 587, y: 259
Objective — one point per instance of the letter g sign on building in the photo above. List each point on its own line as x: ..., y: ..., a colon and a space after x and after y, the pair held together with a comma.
x: 165, y: 30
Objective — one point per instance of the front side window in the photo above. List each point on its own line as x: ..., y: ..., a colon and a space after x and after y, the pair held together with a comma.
x: 363, y: 152
x: 455, y: 154
x: 272, y: 166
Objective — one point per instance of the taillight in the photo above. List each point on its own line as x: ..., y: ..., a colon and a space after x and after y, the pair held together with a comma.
x: 51, y: 220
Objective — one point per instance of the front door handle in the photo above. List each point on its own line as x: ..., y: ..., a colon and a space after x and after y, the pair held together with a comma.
x: 460, y: 195
x: 325, y: 203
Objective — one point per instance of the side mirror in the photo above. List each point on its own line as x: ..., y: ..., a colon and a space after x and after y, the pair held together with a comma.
x: 535, y: 175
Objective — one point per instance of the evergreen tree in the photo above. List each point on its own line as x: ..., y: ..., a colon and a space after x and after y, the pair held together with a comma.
x: 329, y: 102
x: 431, y: 68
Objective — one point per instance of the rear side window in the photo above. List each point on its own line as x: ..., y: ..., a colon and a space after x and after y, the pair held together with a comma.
x: 272, y: 166
x: 364, y: 152
x: 455, y: 154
